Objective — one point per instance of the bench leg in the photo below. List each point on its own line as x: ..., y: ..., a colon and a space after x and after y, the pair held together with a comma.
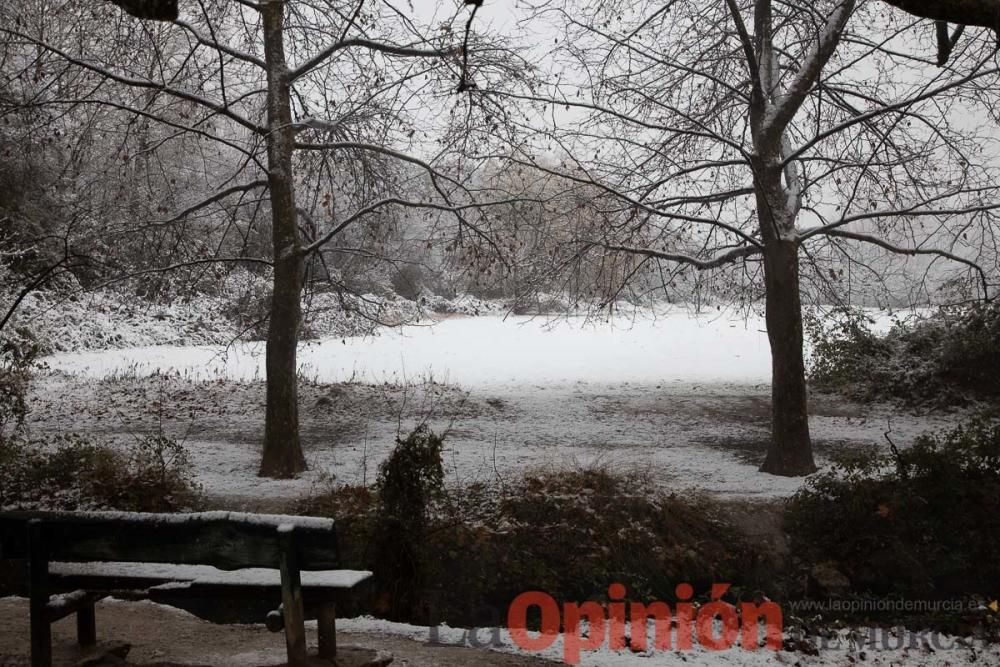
x: 291, y: 600
x: 38, y: 564
x: 328, y: 630
x: 86, y: 624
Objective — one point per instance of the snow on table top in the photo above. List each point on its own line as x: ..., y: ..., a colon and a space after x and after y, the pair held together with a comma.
x: 207, y: 575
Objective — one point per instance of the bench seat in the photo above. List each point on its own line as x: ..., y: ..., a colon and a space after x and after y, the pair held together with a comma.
x: 202, y: 562
x: 205, y: 575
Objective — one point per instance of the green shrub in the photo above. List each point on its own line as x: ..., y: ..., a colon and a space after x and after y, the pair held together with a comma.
x: 948, y: 358
x: 924, y: 524
x: 408, y: 482
x: 154, y: 475
x: 411, y: 478
x: 843, y: 350
x: 969, y: 354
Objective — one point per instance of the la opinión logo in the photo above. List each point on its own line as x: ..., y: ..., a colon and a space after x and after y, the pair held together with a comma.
x: 715, y: 625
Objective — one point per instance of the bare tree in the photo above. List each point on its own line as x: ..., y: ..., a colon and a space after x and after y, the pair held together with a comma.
x: 765, y: 135
x: 271, y: 83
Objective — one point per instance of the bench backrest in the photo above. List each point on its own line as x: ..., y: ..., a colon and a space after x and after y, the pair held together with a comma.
x: 226, y: 540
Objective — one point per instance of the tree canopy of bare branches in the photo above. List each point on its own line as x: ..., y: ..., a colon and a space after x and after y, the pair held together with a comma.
x: 319, y: 112
x: 780, y: 138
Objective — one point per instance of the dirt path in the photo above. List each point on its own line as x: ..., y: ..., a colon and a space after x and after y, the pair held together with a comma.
x: 161, y: 635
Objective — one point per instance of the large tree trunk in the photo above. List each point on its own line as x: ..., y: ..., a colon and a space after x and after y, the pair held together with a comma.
x: 778, y: 201
x: 282, y: 455
x: 790, y: 451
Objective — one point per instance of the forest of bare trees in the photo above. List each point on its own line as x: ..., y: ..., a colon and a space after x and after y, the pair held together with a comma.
x: 770, y: 136
x: 752, y: 150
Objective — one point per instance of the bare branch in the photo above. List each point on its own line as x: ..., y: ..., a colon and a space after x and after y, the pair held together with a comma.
x: 899, y: 250
x: 391, y: 49
x: 208, y: 201
x: 728, y: 257
x: 397, y: 201
x: 141, y: 83
x: 212, y: 43
x: 809, y: 72
x: 748, y: 49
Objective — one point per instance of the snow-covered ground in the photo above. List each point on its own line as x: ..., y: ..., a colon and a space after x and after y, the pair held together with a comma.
x: 487, y: 351
x: 668, y: 344
x: 683, y: 397
x: 158, y: 633
x: 875, y: 646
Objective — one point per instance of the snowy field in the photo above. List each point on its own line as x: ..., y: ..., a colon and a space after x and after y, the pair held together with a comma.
x: 671, y: 344
x: 487, y: 351
x: 685, y: 398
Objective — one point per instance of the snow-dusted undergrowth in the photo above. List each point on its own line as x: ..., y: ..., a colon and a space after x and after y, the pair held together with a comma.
x: 112, y: 319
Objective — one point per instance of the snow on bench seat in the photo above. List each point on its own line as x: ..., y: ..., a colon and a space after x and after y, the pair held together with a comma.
x: 275, y: 520
x: 206, y: 575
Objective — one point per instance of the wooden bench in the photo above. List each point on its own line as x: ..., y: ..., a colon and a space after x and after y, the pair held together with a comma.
x: 75, y: 558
